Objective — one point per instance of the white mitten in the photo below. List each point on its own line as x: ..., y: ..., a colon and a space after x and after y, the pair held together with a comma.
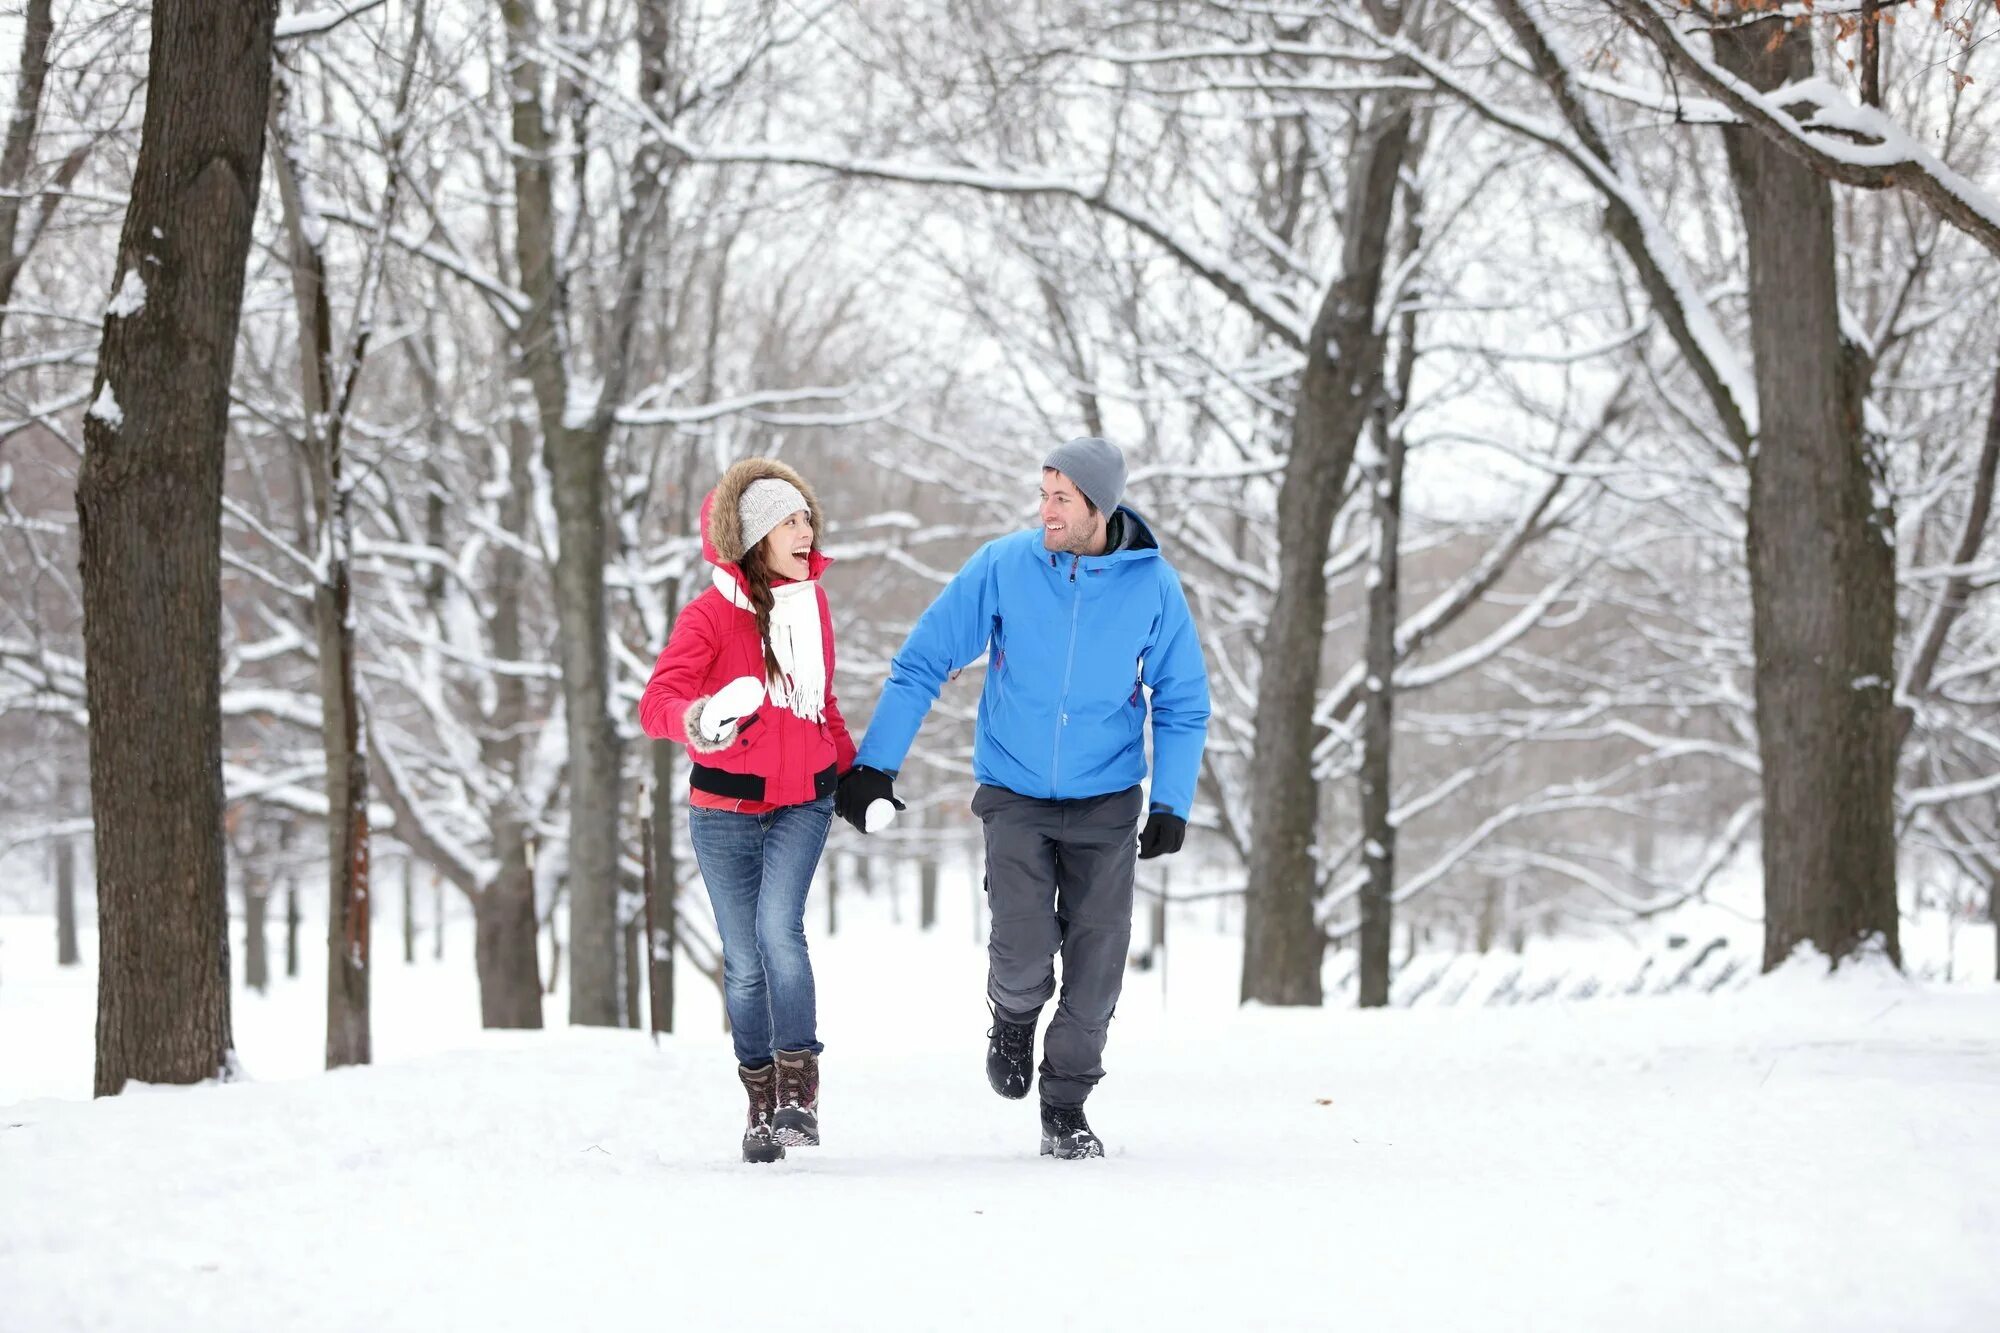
x: 730, y: 704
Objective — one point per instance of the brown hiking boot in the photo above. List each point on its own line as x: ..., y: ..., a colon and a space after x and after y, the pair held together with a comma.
x: 760, y: 1139
x: 797, y: 1120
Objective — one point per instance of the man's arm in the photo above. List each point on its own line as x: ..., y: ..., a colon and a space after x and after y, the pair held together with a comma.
x: 1178, y: 678
x: 950, y: 635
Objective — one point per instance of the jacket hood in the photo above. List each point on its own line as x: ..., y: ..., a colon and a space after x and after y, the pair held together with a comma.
x: 1132, y: 537
x: 722, y: 523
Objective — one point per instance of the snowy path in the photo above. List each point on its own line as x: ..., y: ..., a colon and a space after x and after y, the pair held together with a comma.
x: 1819, y: 1157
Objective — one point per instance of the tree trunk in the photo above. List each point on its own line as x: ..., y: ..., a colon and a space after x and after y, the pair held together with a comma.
x: 67, y: 952
x: 504, y: 926
x: 630, y: 933
x: 1821, y: 555
x: 149, y: 511
x: 927, y: 877
x: 833, y: 876
x: 1282, y: 940
x: 666, y: 881
x: 510, y: 980
x: 349, y: 1038
x: 325, y: 391
x: 1384, y: 477
x: 23, y: 136
x: 575, y: 457
x: 256, y: 948
x: 555, y: 940
x: 292, y: 924
x: 409, y: 909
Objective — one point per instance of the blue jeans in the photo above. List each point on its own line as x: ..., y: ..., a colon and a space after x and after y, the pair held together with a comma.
x: 758, y: 869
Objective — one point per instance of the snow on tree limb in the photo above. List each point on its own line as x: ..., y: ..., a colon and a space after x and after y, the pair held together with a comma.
x: 1841, y: 140
x: 318, y: 22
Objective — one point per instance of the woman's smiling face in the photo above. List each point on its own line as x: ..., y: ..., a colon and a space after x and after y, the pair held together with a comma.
x: 787, y: 548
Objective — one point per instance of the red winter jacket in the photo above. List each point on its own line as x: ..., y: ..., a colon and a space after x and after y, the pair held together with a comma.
x: 777, y: 757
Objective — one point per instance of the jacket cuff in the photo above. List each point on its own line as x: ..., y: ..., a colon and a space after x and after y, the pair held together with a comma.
x: 691, y: 720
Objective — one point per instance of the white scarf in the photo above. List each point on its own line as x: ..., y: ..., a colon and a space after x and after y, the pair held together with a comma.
x: 795, y: 641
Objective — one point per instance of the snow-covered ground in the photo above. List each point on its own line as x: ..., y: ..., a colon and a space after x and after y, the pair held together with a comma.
x: 1792, y: 1153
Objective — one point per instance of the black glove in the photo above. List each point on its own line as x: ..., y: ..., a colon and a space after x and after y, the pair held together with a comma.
x: 860, y: 787
x: 1163, y: 834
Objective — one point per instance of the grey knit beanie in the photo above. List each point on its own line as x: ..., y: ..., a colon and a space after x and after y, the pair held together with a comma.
x: 1096, y: 466
x: 765, y: 504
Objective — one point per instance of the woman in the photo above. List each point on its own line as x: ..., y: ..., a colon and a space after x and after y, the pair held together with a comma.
x: 746, y: 683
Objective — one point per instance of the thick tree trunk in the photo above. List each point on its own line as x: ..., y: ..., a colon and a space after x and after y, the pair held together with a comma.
x: 67, y: 952
x: 593, y: 740
x: 509, y: 967
x: 575, y: 457
x: 1821, y: 555
x: 510, y: 984
x: 149, y: 509
x: 1384, y: 477
x: 1282, y: 940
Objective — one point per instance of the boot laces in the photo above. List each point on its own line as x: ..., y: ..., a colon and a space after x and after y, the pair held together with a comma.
x: 1017, y: 1040
x: 1067, y: 1121
x: 798, y: 1082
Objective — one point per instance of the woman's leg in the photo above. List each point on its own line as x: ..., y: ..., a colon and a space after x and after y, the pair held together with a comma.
x: 730, y: 850
x: 792, y: 846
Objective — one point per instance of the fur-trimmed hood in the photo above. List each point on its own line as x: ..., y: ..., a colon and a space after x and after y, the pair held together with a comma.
x: 722, y: 522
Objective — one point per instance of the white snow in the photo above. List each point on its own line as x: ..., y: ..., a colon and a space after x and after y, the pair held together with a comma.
x: 130, y: 298
x: 1800, y: 1153
x: 106, y: 408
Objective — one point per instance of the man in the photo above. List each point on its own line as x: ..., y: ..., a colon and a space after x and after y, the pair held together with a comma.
x: 1083, y: 620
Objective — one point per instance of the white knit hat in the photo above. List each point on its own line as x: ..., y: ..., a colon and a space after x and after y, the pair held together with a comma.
x: 766, y: 503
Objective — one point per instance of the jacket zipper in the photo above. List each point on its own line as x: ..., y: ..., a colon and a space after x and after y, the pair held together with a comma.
x: 1069, y: 667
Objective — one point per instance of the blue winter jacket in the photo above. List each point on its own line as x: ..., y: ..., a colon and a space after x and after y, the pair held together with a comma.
x: 1073, y: 641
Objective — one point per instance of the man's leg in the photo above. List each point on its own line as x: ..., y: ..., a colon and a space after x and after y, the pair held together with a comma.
x: 1021, y: 893
x: 1096, y: 858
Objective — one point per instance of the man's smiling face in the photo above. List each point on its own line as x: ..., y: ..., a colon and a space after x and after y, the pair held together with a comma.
x: 1069, y: 524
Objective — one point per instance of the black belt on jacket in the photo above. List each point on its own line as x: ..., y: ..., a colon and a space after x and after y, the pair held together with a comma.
x: 750, y: 787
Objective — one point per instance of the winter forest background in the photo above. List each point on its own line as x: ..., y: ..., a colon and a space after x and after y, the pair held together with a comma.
x: 1575, y: 423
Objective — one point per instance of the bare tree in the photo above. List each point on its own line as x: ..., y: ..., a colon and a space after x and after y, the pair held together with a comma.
x: 1822, y: 555
x: 149, y: 501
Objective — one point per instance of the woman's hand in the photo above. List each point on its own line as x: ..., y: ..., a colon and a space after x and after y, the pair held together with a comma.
x: 719, y: 716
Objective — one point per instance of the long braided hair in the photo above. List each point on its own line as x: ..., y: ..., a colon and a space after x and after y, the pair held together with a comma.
x: 757, y: 574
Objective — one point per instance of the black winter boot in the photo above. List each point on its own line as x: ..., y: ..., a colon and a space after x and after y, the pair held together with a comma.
x: 760, y: 1140
x: 797, y: 1121
x: 1065, y: 1133
x: 1010, y: 1057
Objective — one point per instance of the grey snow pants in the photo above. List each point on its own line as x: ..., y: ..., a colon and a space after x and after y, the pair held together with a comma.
x: 1059, y: 877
